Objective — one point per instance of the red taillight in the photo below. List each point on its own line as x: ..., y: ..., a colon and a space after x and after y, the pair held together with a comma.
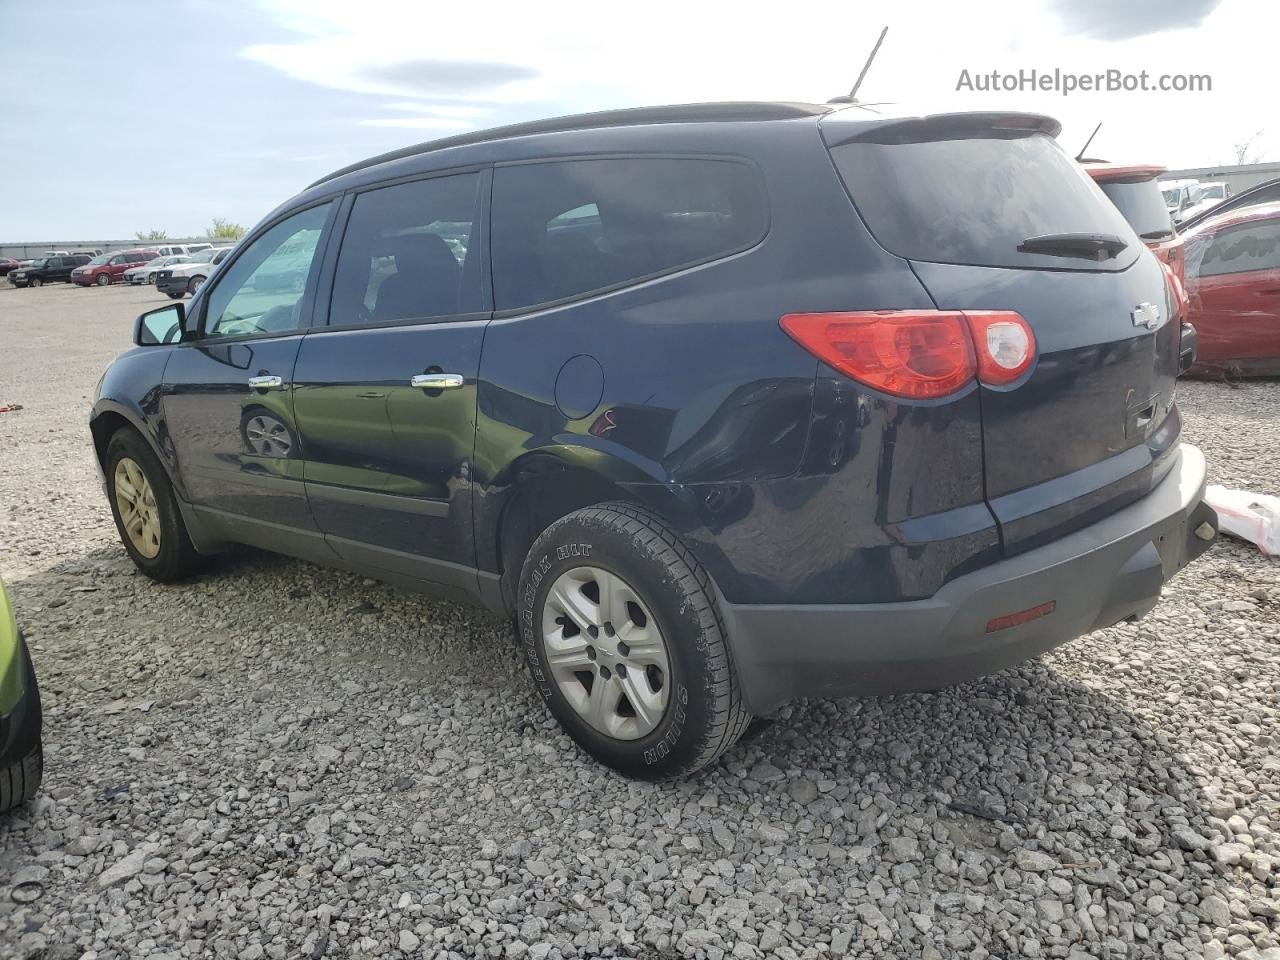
x: 918, y: 354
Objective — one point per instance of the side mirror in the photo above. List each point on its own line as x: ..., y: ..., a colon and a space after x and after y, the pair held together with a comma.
x: 164, y: 325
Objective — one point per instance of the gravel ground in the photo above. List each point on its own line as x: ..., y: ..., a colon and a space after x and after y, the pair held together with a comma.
x: 277, y: 760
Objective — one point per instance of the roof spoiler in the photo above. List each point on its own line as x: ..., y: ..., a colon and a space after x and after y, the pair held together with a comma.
x: 946, y: 126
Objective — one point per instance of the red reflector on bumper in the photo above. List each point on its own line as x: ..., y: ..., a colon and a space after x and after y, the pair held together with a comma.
x: 1022, y: 616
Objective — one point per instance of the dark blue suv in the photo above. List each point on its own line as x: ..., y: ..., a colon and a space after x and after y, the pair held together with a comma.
x: 724, y: 404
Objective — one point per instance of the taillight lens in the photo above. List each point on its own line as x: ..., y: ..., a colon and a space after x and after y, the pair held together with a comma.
x: 1005, y: 344
x: 918, y: 354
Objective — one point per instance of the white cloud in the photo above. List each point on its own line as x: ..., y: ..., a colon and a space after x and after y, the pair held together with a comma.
x: 438, y: 109
x: 419, y: 123
x: 522, y: 60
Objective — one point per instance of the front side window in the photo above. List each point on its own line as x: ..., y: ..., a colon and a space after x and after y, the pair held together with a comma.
x: 262, y: 291
x: 120, y: 259
x: 407, y: 254
x: 565, y: 228
x: 1243, y: 249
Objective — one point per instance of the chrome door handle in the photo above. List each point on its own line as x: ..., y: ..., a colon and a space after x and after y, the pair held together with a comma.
x: 265, y: 383
x: 437, y: 381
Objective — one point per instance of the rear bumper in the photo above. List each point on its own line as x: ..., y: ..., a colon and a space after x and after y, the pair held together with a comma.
x: 20, y: 727
x: 1095, y: 577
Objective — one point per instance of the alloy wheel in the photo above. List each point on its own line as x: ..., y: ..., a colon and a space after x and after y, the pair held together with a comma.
x: 606, y: 652
x: 136, y: 502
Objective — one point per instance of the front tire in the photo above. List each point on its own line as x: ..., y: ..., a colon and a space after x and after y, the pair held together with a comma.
x: 175, y: 296
x: 194, y: 284
x: 35, y: 282
x: 620, y: 629
x: 146, y: 510
x: 104, y: 280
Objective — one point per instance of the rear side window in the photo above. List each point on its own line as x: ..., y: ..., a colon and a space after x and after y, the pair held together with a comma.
x: 408, y: 254
x: 1242, y: 249
x: 566, y: 228
x: 973, y: 198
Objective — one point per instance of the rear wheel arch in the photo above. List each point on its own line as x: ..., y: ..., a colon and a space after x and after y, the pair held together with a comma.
x: 544, y: 489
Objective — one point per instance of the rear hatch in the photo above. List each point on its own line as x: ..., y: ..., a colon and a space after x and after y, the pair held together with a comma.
x: 993, y: 215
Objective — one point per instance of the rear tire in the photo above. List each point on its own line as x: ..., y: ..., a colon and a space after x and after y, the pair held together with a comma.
x: 175, y: 296
x: 194, y: 284
x: 691, y: 707
x: 158, y: 544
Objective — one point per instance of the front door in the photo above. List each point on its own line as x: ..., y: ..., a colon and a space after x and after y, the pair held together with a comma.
x: 1235, y: 293
x: 228, y: 392
x: 385, y: 392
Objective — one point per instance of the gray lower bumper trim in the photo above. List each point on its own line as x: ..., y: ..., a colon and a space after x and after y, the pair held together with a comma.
x: 1097, y: 576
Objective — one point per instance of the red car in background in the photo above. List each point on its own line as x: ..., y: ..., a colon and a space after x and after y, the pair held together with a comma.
x: 110, y: 267
x: 1233, y: 291
x: 1135, y: 190
x: 7, y: 264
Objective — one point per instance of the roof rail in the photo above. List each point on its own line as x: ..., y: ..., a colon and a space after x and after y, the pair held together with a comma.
x: 681, y: 113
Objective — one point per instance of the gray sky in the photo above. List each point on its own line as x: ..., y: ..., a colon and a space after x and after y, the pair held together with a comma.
x: 170, y: 115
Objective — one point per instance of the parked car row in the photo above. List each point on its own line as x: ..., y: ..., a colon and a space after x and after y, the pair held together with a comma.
x: 94, y: 268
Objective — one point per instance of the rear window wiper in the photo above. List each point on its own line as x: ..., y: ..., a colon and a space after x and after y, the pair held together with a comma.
x: 1095, y: 246
x: 1156, y: 235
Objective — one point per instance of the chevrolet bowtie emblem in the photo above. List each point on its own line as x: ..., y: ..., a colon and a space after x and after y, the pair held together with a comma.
x: 1146, y: 315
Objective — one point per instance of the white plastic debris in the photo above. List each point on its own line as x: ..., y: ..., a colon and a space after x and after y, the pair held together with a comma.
x: 1248, y: 516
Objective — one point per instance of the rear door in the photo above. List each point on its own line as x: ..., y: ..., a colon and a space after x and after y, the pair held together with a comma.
x: 993, y: 215
x: 386, y: 389
x: 1234, y: 285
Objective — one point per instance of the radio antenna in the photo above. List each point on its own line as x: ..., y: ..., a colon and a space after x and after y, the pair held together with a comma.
x: 1080, y: 155
x: 853, y: 94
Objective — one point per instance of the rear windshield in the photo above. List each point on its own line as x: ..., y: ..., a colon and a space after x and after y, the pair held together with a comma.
x: 973, y: 198
x: 1143, y: 206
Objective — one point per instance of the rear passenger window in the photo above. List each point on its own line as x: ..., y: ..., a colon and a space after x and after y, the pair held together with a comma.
x: 1243, y: 249
x: 565, y: 228
x: 409, y: 254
